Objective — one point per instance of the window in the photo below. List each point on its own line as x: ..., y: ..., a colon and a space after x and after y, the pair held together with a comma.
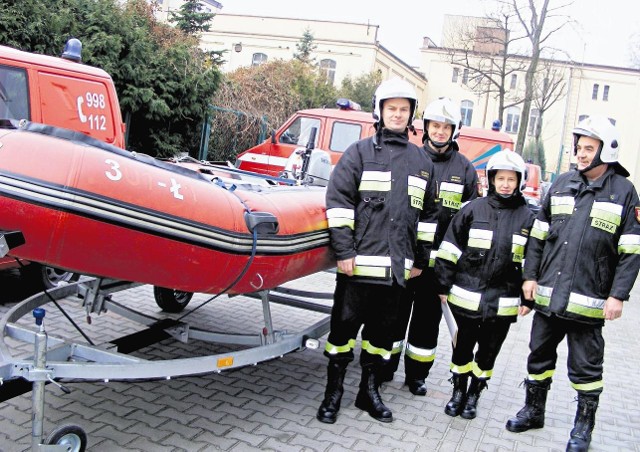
x: 514, y: 81
x: 344, y: 134
x: 605, y: 93
x: 328, y: 69
x: 258, y: 59
x: 466, y: 110
x: 513, y: 120
x: 299, y: 131
x: 14, y: 94
x: 465, y: 76
x: 534, y: 120
x: 454, y: 76
x: 594, y: 94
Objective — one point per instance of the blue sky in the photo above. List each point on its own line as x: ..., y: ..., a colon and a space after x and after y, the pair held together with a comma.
x: 600, y: 34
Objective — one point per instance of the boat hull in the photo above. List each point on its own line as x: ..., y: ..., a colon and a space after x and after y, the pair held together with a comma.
x: 102, y: 211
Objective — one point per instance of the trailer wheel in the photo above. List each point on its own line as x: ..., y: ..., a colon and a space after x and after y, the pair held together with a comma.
x: 70, y: 436
x: 47, y: 277
x: 171, y: 300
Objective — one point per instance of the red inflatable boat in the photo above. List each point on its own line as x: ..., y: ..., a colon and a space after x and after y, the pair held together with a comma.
x: 95, y: 209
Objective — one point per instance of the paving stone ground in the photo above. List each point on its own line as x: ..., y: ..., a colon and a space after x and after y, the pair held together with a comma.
x: 272, y: 405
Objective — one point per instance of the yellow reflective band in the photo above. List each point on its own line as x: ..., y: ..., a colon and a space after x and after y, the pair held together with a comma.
x: 338, y: 217
x: 586, y: 306
x: 423, y: 355
x: 335, y: 349
x: 543, y: 295
x: 432, y: 258
x: 464, y: 298
x: 588, y: 386
x: 480, y: 238
x: 629, y: 244
x: 607, y: 211
x: 426, y: 231
x: 417, y: 182
x: 372, y: 272
x: 562, y: 205
x: 543, y: 376
x: 540, y: 230
x: 517, y: 247
x: 372, y: 350
x: 451, y: 195
x: 375, y: 181
x: 479, y: 373
x: 508, y: 305
x: 397, y: 347
x: 448, y: 251
x: 461, y: 369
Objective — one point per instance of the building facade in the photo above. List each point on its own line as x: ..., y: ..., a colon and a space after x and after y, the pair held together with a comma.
x: 352, y: 49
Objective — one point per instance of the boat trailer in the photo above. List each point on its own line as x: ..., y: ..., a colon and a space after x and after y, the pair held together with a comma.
x: 55, y: 358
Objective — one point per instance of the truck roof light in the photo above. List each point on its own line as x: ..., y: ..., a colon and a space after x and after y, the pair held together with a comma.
x: 346, y: 104
x: 72, y: 50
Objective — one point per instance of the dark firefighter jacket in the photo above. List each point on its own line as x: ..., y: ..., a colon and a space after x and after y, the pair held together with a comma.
x: 456, y: 182
x: 479, y: 263
x: 380, y: 208
x: 585, y: 246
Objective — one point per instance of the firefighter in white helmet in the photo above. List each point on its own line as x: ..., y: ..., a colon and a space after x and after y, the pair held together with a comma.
x: 456, y: 183
x: 582, y: 262
x: 479, y: 269
x: 379, y: 201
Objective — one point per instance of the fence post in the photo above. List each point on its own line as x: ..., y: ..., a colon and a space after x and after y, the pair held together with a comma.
x: 204, y: 137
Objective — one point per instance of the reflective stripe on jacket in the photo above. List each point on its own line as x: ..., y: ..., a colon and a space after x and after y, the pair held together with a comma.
x: 479, y: 262
x: 380, y: 208
x: 585, y: 246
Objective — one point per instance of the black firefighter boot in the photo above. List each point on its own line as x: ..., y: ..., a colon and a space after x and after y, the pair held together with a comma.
x: 473, y: 394
x: 328, y: 411
x: 389, y: 368
x: 457, y: 401
x: 368, y: 398
x: 584, y: 423
x: 532, y: 414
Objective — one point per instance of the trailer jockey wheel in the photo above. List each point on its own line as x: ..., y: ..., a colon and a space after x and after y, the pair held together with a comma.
x: 171, y: 300
x: 70, y: 436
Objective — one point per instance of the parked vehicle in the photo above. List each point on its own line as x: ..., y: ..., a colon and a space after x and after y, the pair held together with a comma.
x: 337, y: 128
x: 60, y: 92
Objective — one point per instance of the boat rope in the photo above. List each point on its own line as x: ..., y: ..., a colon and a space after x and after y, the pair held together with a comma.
x: 254, y: 248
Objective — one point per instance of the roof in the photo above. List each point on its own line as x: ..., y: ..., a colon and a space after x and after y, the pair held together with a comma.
x: 10, y: 53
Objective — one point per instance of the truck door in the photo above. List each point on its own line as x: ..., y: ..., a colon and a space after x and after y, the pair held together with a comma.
x: 78, y: 104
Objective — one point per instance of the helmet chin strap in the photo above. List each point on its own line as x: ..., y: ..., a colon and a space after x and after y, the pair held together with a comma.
x: 438, y: 144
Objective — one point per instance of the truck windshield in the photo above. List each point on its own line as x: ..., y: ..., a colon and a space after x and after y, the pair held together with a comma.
x: 299, y: 130
x: 14, y: 95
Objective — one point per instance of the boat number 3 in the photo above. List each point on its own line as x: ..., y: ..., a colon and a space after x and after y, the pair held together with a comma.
x: 115, y: 174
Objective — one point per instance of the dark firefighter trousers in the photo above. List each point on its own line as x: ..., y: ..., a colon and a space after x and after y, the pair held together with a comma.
x: 421, y: 304
x: 585, y: 346
x: 371, y: 306
x: 489, y: 335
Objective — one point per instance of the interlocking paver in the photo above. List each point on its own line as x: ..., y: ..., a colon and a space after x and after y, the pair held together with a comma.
x: 272, y: 405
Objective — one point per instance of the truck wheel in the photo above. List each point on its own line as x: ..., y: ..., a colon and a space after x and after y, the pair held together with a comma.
x: 70, y: 436
x: 171, y: 300
x: 47, y: 277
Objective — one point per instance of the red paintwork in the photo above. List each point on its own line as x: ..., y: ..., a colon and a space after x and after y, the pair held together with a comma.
x: 90, y: 246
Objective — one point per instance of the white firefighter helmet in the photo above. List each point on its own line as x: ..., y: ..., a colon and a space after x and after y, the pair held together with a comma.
x: 446, y: 111
x: 600, y: 128
x: 508, y: 160
x: 391, y: 89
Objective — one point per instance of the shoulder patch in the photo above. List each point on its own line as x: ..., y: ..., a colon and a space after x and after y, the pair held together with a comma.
x: 638, y: 214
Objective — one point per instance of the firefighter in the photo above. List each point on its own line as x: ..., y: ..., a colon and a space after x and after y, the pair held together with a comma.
x: 582, y: 261
x: 379, y: 199
x: 456, y: 182
x: 479, y: 268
